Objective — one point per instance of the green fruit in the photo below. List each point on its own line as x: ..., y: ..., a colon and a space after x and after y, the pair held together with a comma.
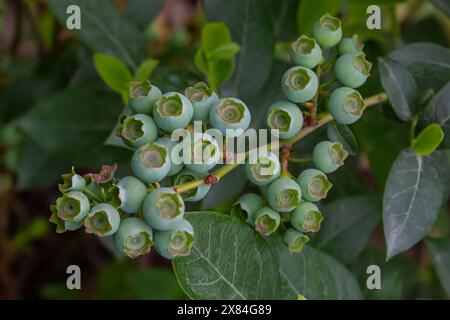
x: 266, y: 221
x: 295, y: 240
x: 202, y: 99
x: 163, y: 208
x: 72, y: 182
x: 103, y: 220
x: 266, y: 169
x: 143, y: 97
x: 299, y: 84
x: 134, y: 237
x: 73, y: 225
x: 205, y: 153
x: 350, y: 45
x: 328, y: 156
x: 284, y: 194
x: 230, y: 113
x: 195, y: 194
x: 346, y: 105
x: 314, y: 184
x: 172, y: 111
x: 352, y: 69
x: 246, y: 207
x: 306, y: 217
x: 72, y: 206
x: 128, y: 194
x: 306, y: 52
x: 136, y: 130
x: 151, y: 163
x: 170, y: 144
x: 176, y: 241
x: 327, y: 31
x: 285, y: 117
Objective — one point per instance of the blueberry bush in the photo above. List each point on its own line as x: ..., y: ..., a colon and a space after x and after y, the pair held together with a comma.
x: 356, y: 174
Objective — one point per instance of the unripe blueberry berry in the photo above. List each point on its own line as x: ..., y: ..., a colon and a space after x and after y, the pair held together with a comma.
x: 346, y: 105
x: 136, y: 130
x: 175, y: 242
x: 230, y: 113
x: 143, y: 96
x: 128, y: 194
x: 306, y: 217
x: 286, y: 117
x: 306, y: 52
x: 299, y: 84
x: 314, y: 184
x: 195, y: 194
x: 284, y: 194
x: 134, y: 237
x: 205, y: 153
x: 266, y: 169
x: 72, y: 182
x: 202, y: 99
x: 170, y: 144
x: 352, y: 69
x: 327, y: 31
x: 72, y: 206
x: 266, y: 221
x: 163, y: 208
x: 73, y: 225
x: 103, y: 220
x: 328, y: 156
x: 350, y: 45
x: 151, y: 163
x: 172, y: 111
x: 246, y: 207
x: 295, y: 240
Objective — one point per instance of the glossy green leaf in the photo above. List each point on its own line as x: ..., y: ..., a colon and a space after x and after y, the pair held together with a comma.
x: 225, y: 51
x: 145, y: 69
x: 113, y: 72
x: 284, y: 18
x: 214, y: 35
x: 440, y: 255
x: 444, y: 5
x: 142, y: 12
x: 428, y: 140
x: 341, y: 133
x: 310, y: 11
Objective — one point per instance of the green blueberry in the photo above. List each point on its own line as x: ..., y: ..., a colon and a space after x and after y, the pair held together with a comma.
x: 314, y: 184
x: 72, y: 182
x: 246, y: 207
x: 306, y: 217
x: 136, y: 130
x: 103, y: 220
x: 134, y: 237
x: 295, y: 240
x: 163, y: 208
x: 327, y: 31
x: 306, y: 52
x: 195, y: 194
x: 284, y: 194
x: 266, y: 169
x: 143, y: 97
x: 72, y: 206
x: 346, y: 105
x: 202, y: 99
x: 230, y: 113
x: 205, y: 153
x: 73, y: 225
x: 151, y: 162
x: 328, y: 156
x: 172, y: 111
x: 350, y: 45
x: 175, y: 242
x: 170, y: 144
x: 299, y: 84
x: 128, y: 194
x: 285, y: 117
x: 352, y: 69
x: 266, y: 221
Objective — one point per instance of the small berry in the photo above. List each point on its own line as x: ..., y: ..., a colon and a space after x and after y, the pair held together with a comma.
x: 314, y: 184
x: 163, y: 208
x: 202, y: 99
x: 151, y: 163
x: 285, y: 117
x: 299, y: 84
x: 136, y: 130
x: 195, y: 194
x: 352, y: 69
x: 172, y: 111
x: 170, y: 144
x: 205, y: 153
x: 306, y: 52
x: 350, y: 45
x: 175, y: 242
x: 306, y: 217
x: 103, y: 220
x: 266, y: 169
x: 134, y: 237
x: 128, y: 194
x: 284, y: 194
x: 328, y: 156
x: 72, y: 206
x: 327, y: 31
x: 72, y: 182
x: 230, y: 113
x: 295, y: 240
x: 143, y: 96
x: 266, y: 221
x: 73, y: 225
x: 346, y: 105
x: 246, y: 206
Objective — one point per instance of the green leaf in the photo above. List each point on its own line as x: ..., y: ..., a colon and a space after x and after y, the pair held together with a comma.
x: 310, y: 11
x: 145, y: 69
x: 200, y: 61
x: 428, y: 140
x: 400, y: 87
x: 440, y: 255
x: 214, y: 35
x: 113, y: 72
x: 142, y: 12
x: 375, y: 1
x: 174, y: 79
x: 225, y: 51
x: 349, y: 224
x: 341, y: 133
x: 412, y: 198
x: 220, y: 71
x: 444, y: 5
x: 283, y: 16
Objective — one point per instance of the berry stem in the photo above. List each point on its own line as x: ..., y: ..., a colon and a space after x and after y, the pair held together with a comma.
x: 91, y: 195
x: 299, y: 160
x: 284, y: 160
